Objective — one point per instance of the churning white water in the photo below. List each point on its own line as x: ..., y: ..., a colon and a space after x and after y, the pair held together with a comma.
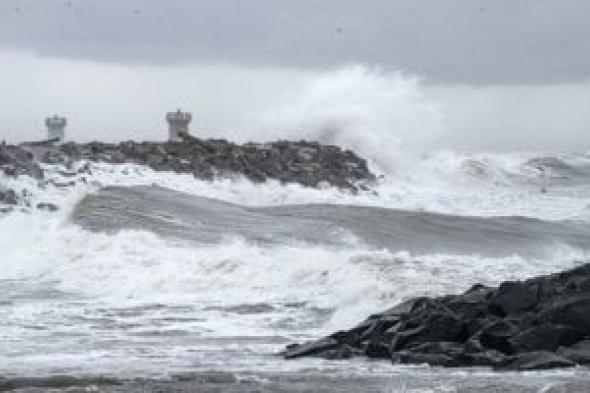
x: 137, y: 301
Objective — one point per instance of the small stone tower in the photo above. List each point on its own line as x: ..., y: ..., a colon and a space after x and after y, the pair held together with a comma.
x: 55, y: 127
x: 178, y: 122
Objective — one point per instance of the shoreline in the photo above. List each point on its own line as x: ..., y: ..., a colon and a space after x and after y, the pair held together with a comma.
x: 536, y: 324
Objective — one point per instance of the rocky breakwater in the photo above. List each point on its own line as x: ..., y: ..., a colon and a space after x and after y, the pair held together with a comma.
x: 540, y: 323
x: 307, y: 163
x: 310, y: 164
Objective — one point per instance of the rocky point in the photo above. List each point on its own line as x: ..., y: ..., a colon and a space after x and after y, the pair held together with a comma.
x: 540, y: 323
x: 310, y: 164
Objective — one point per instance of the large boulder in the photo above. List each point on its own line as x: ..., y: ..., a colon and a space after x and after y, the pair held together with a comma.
x: 513, y: 297
x: 578, y: 353
x: 572, y: 312
x: 539, y: 360
x: 8, y: 197
x: 545, y: 337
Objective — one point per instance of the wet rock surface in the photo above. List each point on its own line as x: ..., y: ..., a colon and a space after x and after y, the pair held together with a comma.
x: 47, y: 206
x: 540, y: 323
x: 306, y: 163
x: 8, y: 197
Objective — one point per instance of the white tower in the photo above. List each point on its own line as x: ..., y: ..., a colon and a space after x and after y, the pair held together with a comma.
x: 178, y: 122
x: 55, y: 127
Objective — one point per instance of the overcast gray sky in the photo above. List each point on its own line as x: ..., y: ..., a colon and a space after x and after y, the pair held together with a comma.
x: 493, y: 74
x: 446, y: 41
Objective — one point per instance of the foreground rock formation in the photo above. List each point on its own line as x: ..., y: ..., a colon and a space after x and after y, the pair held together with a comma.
x: 540, y: 323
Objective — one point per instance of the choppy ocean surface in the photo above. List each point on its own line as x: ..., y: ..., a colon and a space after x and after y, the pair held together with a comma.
x: 144, y: 274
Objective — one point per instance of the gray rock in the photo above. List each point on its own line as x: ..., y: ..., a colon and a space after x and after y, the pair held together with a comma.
x: 546, y: 337
x: 539, y: 360
x: 50, y: 207
x: 513, y: 297
x: 578, y: 353
x: 8, y: 197
x: 536, y: 324
x: 312, y: 348
x: 572, y: 312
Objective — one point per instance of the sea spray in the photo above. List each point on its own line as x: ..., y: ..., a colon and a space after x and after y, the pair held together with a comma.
x: 378, y: 113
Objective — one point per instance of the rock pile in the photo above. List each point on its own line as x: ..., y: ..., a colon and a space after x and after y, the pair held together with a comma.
x: 541, y: 323
x: 17, y: 160
x: 306, y: 163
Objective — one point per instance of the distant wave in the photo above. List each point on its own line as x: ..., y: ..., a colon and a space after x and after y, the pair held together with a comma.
x: 174, y: 214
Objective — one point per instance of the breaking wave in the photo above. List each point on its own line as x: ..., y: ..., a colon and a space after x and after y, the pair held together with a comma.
x: 207, y: 275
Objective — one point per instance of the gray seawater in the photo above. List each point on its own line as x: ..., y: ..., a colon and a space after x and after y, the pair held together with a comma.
x: 214, y: 320
x: 204, y: 221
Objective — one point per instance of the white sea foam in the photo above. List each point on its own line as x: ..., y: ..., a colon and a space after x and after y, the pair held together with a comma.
x: 68, y: 286
x: 377, y: 113
x: 98, y: 300
x: 446, y: 182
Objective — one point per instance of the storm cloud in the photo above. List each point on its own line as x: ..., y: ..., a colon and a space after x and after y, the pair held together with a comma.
x: 450, y: 41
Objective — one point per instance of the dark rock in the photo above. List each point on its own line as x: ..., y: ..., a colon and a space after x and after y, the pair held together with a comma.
x: 545, y: 338
x: 67, y: 174
x: 50, y: 207
x: 33, y: 170
x: 376, y: 349
x: 313, y: 348
x: 433, y: 359
x: 403, y: 308
x: 448, y: 348
x: 578, y: 353
x: 340, y: 352
x: 489, y: 358
x: 53, y: 157
x: 496, y: 336
x: 472, y: 304
x: 17, y: 160
x: 512, y: 297
x: 435, y: 327
x: 379, y: 328
x: 539, y: 360
x: 63, y: 184
x: 574, y: 313
x: 54, y: 382
x: 543, y: 322
x: 8, y: 197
